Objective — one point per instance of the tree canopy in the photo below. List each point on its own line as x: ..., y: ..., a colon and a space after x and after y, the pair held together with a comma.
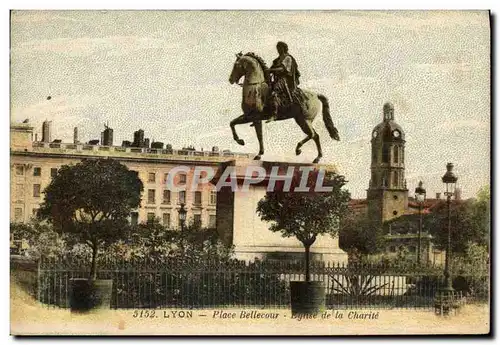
x: 305, y: 215
x: 92, y: 200
x: 469, y: 223
x: 359, y: 234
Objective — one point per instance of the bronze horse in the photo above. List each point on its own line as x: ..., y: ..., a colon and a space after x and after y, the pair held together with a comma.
x: 256, y: 92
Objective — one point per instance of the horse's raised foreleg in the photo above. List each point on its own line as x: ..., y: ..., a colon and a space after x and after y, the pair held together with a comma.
x: 258, y: 131
x: 238, y: 121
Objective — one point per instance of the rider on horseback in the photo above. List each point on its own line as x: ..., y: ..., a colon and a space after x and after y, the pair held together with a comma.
x: 285, y: 81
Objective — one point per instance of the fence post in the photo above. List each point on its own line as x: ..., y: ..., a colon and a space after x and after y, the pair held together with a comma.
x: 38, y: 280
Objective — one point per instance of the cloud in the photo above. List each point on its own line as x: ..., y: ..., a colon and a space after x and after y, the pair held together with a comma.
x: 370, y: 20
x: 446, y: 67
x: 87, y: 46
x: 57, y: 104
x: 464, y: 124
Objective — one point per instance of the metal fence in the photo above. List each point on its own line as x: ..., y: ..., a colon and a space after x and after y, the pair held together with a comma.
x: 146, y: 283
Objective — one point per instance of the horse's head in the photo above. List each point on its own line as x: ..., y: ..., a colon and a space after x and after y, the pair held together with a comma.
x: 238, y: 69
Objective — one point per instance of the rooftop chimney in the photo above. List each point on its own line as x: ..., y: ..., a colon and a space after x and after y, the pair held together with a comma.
x: 438, y: 196
x: 107, y: 135
x: 75, y: 135
x: 47, y: 131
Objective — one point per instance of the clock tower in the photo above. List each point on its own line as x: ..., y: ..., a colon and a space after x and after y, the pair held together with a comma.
x: 387, y: 194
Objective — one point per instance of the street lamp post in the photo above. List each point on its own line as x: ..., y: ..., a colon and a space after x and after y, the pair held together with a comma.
x: 450, y: 180
x: 420, y: 197
x: 182, y: 216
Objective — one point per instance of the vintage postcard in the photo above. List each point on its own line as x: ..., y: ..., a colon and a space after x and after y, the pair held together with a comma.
x: 249, y: 172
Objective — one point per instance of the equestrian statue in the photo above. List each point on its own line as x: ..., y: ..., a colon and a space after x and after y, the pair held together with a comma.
x: 272, y: 94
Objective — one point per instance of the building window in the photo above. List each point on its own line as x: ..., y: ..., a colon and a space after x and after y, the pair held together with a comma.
x: 53, y: 172
x: 151, y: 196
x: 374, y: 155
x: 402, y: 155
x: 213, y: 197
x: 152, y: 177
x: 395, y: 197
x: 396, y: 154
x: 182, y: 197
x: 37, y: 171
x: 36, y: 190
x: 134, y: 218
x: 197, y: 220
x: 197, y: 198
x: 165, y: 177
x: 182, y: 178
x: 166, y: 219
x: 151, y: 217
x: 18, y: 214
x: 385, y: 153
x: 395, y: 179
x: 19, y: 170
x: 166, y: 197
x: 212, y: 221
x: 395, y: 213
x: 19, y: 191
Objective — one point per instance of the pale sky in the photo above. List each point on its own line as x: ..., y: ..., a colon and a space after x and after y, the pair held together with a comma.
x: 167, y: 73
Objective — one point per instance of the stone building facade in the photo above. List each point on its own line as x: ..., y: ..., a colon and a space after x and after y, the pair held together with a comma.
x: 33, y: 164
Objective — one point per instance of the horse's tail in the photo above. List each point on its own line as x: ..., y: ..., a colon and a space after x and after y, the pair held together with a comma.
x: 327, y: 119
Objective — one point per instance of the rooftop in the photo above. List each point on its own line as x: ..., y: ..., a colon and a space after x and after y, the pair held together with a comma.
x: 82, y: 149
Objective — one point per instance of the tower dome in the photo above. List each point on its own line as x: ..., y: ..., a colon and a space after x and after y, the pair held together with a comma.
x: 388, y: 129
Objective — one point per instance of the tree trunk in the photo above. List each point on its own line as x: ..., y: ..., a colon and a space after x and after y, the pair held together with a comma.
x: 93, y: 267
x: 308, y: 274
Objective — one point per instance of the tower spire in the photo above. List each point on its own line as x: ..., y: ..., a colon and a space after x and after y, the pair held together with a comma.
x: 388, y: 111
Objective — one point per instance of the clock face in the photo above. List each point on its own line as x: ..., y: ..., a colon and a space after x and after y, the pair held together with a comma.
x: 396, y: 134
x: 375, y: 134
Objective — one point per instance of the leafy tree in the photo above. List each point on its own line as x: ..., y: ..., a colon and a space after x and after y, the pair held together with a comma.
x: 92, y: 200
x: 473, y: 261
x: 305, y: 215
x: 25, y: 231
x: 158, y: 243
x: 470, y: 222
x: 40, y: 238
x: 360, y: 236
x: 151, y: 239
x: 197, y: 244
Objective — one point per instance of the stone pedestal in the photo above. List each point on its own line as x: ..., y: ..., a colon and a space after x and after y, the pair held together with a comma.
x: 239, y: 224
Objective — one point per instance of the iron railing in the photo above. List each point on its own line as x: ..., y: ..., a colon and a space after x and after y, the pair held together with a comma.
x: 145, y: 283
